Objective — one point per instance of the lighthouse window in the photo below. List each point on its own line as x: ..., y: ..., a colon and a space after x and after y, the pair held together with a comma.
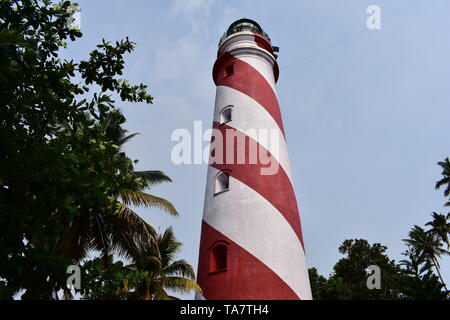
x: 229, y: 70
x: 225, y: 115
x: 222, y: 182
x: 218, y: 258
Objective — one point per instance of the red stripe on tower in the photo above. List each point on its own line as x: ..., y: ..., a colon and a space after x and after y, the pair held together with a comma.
x: 251, y: 245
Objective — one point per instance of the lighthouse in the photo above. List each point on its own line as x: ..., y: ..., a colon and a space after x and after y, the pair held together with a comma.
x: 251, y: 244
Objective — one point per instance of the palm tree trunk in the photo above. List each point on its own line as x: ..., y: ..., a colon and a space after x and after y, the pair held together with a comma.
x: 439, y: 273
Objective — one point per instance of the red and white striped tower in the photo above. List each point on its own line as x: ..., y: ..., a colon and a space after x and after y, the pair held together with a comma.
x: 251, y: 243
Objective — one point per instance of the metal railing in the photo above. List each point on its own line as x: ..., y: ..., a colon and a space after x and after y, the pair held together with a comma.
x: 240, y: 28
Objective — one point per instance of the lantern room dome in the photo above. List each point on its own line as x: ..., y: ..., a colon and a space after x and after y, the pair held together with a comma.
x: 244, y: 25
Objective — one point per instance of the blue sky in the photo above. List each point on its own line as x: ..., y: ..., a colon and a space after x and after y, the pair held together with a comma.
x: 366, y: 117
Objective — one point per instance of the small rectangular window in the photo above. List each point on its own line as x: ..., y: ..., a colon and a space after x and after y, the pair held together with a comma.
x: 229, y: 70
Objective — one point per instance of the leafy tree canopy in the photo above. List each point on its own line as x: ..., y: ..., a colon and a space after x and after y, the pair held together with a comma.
x: 349, y: 278
x: 57, y: 160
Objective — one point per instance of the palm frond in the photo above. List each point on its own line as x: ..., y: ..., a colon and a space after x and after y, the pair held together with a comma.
x: 180, y: 268
x: 180, y: 284
x: 77, y: 242
x: 160, y: 293
x: 168, y: 246
x: 152, y: 177
x: 129, y: 233
x: 134, y: 220
x: 151, y: 263
x: 137, y: 198
x: 124, y: 139
x: 446, y: 173
x: 99, y: 234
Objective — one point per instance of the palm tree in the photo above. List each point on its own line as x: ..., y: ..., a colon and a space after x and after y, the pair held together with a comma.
x: 123, y: 231
x: 440, y: 226
x: 164, y: 273
x: 427, y: 246
x: 415, y: 264
x: 445, y: 181
x: 418, y: 280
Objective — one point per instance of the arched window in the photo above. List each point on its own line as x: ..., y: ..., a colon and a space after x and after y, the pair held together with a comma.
x: 222, y: 182
x: 218, y: 258
x: 225, y: 114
